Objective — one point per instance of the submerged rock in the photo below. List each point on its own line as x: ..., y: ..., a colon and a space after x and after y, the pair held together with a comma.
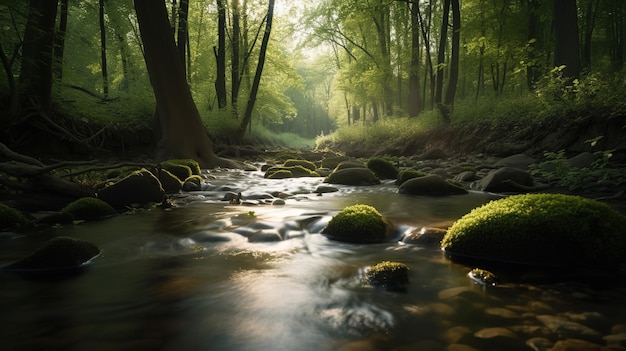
x: 89, y: 208
x: 392, y: 276
x: 58, y: 253
x: 139, y: 187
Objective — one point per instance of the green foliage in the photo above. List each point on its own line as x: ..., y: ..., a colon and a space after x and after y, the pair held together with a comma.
x: 89, y: 208
x: 11, y: 217
x: 406, y: 174
x: 550, y: 229
x: 558, y: 170
x: 357, y: 223
x: 383, y: 168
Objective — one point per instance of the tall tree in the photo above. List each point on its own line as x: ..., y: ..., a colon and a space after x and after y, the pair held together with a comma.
x: 183, y: 31
x: 184, y: 135
x: 454, y: 60
x: 415, y: 103
x: 235, y: 59
x: 566, y: 45
x: 220, y: 55
x: 247, y: 117
x: 59, y: 41
x: 103, y: 50
x: 35, y: 80
x: 441, y: 53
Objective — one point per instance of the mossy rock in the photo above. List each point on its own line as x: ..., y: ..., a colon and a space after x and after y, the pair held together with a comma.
x: 430, y: 185
x: 383, y: 168
x: 139, y: 187
x: 11, y: 217
x: 392, y: 276
x: 296, y: 172
x: 541, y: 229
x: 170, y: 182
x: 505, y: 179
x: 279, y: 174
x: 193, y: 183
x: 89, y: 208
x: 58, y: 253
x: 352, y: 176
x: 407, y: 174
x: 193, y: 165
x: 361, y: 224
x: 331, y: 162
x: 348, y: 164
x: 304, y: 163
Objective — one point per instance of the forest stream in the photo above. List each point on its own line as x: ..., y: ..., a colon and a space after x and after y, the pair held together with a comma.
x: 194, y: 278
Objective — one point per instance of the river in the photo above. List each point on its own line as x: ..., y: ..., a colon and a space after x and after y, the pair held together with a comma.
x: 189, y: 278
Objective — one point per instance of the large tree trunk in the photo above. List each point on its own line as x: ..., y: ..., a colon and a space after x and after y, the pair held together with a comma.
x: 441, y: 53
x: 454, y: 60
x: 36, y: 70
x: 184, y: 135
x: 247, y: 117
x: 235, y: 60
x: 103, y: 52
x: 415, y: 104
x: 566, y: 46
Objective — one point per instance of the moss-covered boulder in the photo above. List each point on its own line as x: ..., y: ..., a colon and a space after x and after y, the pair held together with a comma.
x: 89, y: 208
x: 407, y: 174
x: 383, y: 168
x: 348, y: 164
x: 544, y: 229
x: 332, y: 161
x: 392, y: 276
x: 304, y: 163
x: 279, y: 174
x: 193, y: 165
x: 352, y: 176
x: 430, y: 185
x: 11, y: 218
x: 193, y: 183
x: 296, y: 171
x: 139, y: 187
x: 58, y: 253
x: 170, y: 182
x: 361, y: 224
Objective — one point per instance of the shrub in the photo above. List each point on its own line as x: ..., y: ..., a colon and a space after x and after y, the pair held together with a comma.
x: 550, y: 229
x: 358, y: 224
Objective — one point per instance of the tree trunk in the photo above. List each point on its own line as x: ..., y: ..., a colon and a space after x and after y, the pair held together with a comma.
x: 103, y: 52
x: 441, y: 53
x: 235, y: 60
x: 533, y: 73
x: 220, y: 55
x: 454, y: 60
x: 566, y: 46
x: 59, y: 41
x: 247, y: 117
x: 415, y: 103
x: 36, y: 70
x: 182, y: 34
x: 184, y: 135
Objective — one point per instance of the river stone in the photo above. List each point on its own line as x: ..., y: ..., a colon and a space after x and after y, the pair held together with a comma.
x: 505, y: 179
x: 461, y: 347
x: 539, y: 343
x: 465, y: 176
x: 352, y: 176
x: 138, y: 187
x: 429, y: 237
x: 568, y: 329
x: 169, y: 182
x: 265, y: 236
x: 323, y: 189
x: 615, y: 339
x: 391, y: 276
x: 576, y: 345
x: 489, y: 333
x: 348, y: 164
x: 516, y: 161
x: 58, y: 253
x: 430, y: 185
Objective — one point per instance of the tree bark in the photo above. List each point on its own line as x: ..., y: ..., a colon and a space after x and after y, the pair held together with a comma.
x: 415, y: 103
x: 184, y: 135
x: 103, y: 52
x: 235, y: 60
x: 441, y: 53
x: 220, y: 55
x: 183, y: 13
x: 566, y: 46
x: 247, y: 117
x: 59, y: 41
x: 454, y: 60
x: 36, y: 70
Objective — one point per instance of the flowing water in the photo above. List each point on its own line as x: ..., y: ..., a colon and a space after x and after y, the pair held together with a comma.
x: 190, y: 278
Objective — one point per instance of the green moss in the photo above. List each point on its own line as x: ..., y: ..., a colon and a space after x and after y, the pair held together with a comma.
x: 483, y: 277
x: 279, y: 174
x: 551, y: 229
x: 296, y: 171
x: 332, y: 161
x: 357, y: 223
x: 89, y: 208
x: 304, y: 163
x: 392, y: 276
x: 11, y: 218
x: 169, y: 182
x: 407, y: 174
x: 193, y: 165
x: 352, y: 176
x: 383, y: 168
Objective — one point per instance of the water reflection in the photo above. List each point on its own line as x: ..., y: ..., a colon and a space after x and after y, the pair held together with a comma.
x: 190, y: 278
